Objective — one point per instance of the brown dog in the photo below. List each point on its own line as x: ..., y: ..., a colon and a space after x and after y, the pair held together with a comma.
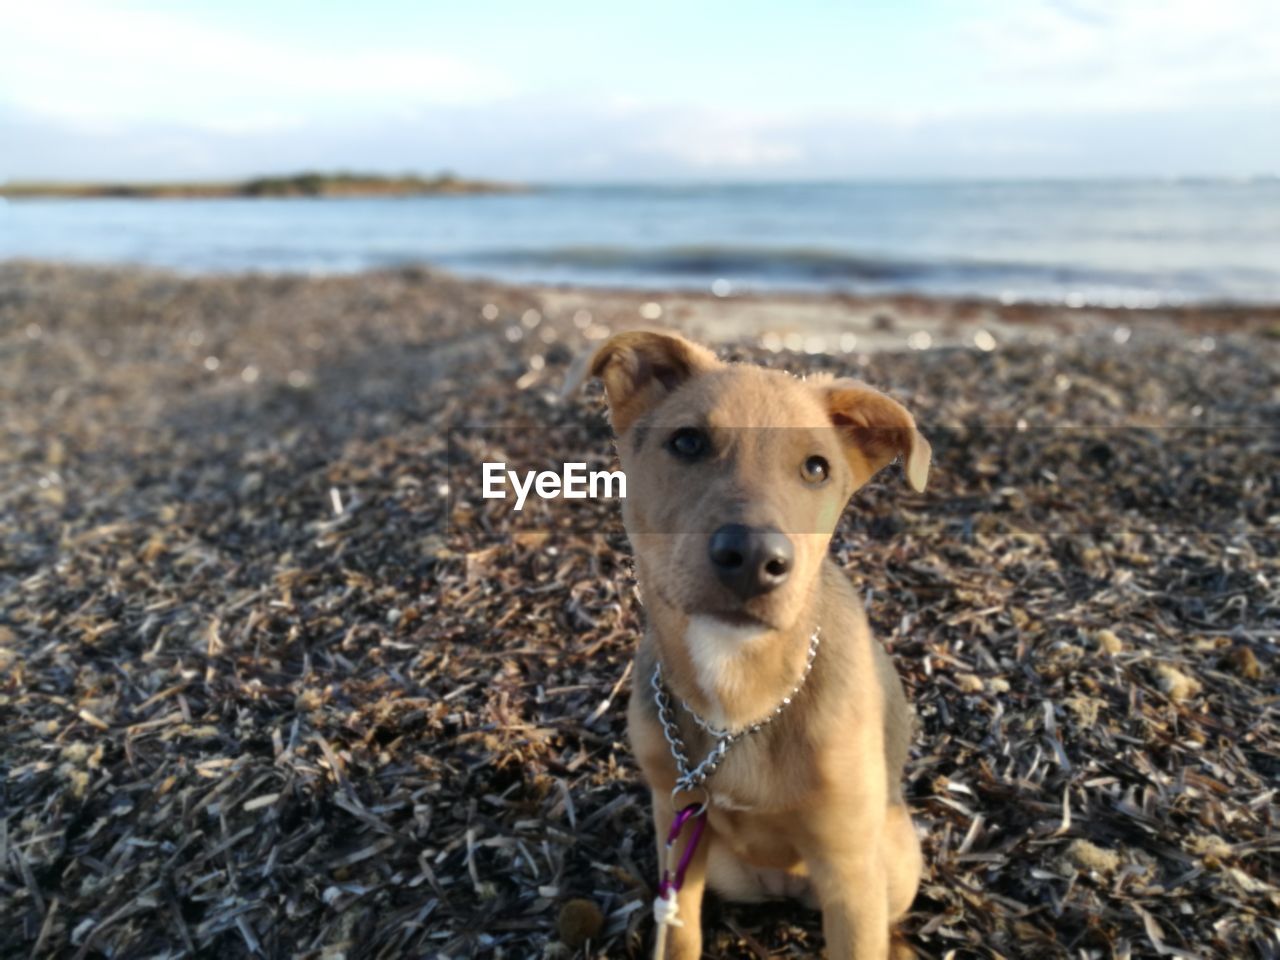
x: 757, y: 652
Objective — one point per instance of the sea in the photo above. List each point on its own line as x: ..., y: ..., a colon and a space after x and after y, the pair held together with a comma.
x: 1111, y: 243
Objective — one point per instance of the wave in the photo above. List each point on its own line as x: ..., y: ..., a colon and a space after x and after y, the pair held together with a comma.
x: 714, y: 261
x: 811, y: 266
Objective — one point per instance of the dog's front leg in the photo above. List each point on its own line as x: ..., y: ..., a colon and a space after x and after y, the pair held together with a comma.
x: 849, y: 878
x: 683, y: 941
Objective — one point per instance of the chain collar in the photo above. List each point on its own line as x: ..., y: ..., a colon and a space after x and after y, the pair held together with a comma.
x: 690, y: 778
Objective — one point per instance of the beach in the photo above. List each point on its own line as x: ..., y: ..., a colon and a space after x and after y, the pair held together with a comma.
x: 275, y: 679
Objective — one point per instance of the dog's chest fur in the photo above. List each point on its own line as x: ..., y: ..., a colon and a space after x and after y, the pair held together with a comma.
x: 755, y: 776
x: 721, y: 654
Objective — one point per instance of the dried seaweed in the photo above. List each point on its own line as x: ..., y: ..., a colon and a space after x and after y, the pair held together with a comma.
x: 261, y: 695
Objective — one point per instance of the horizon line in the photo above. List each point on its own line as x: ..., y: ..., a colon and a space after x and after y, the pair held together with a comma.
x: 668, y: 181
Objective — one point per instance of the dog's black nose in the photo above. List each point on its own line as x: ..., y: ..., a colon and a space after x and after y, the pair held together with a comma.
x: 750, y: 560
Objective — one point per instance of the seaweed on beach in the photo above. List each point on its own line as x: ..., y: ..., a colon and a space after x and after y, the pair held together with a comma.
x: 272, y: 684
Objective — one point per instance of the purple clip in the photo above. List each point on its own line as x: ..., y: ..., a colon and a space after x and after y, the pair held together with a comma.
x: 697, y: 812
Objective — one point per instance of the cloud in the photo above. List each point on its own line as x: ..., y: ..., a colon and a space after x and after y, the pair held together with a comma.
x: 701, y: 139
x: 731, y: 152
x: 100, y: 67
x: 986, y: 88
x: 531, y: 141
x: 1117, y: 55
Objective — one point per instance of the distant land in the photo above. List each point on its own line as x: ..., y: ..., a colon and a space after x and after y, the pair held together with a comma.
x: 309, y: 184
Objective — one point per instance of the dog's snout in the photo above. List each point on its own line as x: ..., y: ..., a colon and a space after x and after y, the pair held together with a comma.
x: 750, y: 560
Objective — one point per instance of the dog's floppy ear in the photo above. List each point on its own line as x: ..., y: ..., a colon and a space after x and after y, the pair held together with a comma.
x: 640, y: 367
x: 876, y: 429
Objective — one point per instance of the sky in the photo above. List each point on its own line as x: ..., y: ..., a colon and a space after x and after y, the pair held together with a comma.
x: 564, y: 90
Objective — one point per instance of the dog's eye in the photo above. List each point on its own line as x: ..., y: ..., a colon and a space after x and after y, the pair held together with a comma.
x: 688, y: 443
x: 815, y: 469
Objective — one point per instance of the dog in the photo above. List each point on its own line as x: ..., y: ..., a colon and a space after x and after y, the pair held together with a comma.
x: 771, y: 729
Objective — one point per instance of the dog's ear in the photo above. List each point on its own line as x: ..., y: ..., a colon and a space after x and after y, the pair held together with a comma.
x: 876, y: 429
x: 640, y: 367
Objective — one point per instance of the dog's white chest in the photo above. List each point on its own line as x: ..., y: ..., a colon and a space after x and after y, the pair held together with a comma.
x: 716, y: 649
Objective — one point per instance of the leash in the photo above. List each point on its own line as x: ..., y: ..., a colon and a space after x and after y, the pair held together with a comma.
x: 666, y: 909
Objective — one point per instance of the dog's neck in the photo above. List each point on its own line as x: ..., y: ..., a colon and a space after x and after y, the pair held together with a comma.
x: 731, y: 676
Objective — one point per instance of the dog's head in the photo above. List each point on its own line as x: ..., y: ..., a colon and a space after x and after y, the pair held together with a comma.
x: 737, y: 475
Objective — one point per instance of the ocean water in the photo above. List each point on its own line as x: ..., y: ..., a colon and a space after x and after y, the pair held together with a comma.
x: 1115, y: 243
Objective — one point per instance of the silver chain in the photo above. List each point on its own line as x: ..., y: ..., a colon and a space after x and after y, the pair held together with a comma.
x: 689, y: 779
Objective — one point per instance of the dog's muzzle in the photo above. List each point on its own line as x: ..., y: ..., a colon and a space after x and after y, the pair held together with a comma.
x: 750, y: 561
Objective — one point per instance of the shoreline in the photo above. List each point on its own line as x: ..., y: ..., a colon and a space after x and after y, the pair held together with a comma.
x: 801, y: 321
x: 887, y: 322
